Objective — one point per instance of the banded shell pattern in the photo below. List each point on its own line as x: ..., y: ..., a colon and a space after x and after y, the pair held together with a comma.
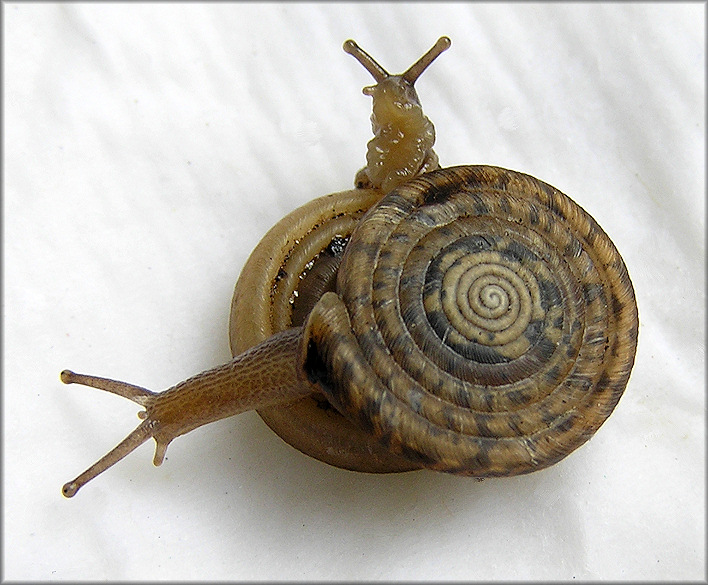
x: 487, y: 325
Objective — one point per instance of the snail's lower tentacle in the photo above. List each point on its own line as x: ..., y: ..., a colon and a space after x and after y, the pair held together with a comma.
x: 141, y: 434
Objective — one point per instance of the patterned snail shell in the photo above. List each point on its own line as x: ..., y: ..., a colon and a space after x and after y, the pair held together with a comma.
x: 485, y: 324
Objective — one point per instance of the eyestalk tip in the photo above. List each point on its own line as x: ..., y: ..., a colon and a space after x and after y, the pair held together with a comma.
x: 67, y: 376
x: 69, y: 489
x: 443, y: 43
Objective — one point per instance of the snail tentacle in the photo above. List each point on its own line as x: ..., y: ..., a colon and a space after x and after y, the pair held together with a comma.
x: 137, y: 394
x: 264, y: 375
x: 415, y: 71
x: 369, y: 63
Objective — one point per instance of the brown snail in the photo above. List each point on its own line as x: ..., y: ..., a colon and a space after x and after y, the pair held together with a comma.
x: 472, y: 320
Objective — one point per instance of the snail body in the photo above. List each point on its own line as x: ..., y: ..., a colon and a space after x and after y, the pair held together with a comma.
x: 472, y: 320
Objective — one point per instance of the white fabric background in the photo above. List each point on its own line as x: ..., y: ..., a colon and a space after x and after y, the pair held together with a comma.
x: 149, y: 147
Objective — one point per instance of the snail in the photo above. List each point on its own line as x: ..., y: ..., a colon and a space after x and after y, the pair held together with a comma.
x: 471, y: 320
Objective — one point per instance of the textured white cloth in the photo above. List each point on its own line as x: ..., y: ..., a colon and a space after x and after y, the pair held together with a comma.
x: 149, y: 147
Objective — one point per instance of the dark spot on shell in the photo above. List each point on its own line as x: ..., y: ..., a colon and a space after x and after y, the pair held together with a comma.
x: 480, y: 461
x: 424, y: 218
x: 579, y: 382
x: 436, y: 195
x: 407, y: 278
x: 369, y: 250
x: 482, y: 426
x: 470, y: 244
x: 368, y: 341
x: 360, y: 300
x: 514, y: 421
x: 413, y: 454
x: 545, y: 348
x: 385, y: 254
x: 380, y: 284
x: 617, y: 305
x: 533, y: 331
x: 603, y: 382
x: 633, y: 333
x: 462, y: 397
x: 516, y: 397
x: 595, y: 337
x: 379, y: 303
x: 592, y: 236
x: 591, y: 291
x: 552, y: 375
x: 548, y: 418
x: 545, y: 187
x: 433, y: 277
x: 502, y: 181
x: 567, y: 424
x: 555, y: 199
x: 559, y: 210
x: 448, y: 415
x: 369, y: 413
x: 550, y: 294
x: 402, y: 237
x: 438, y: 321
x: 573, y: 249
x: 533, y: 215
x: 415, y: 399
x: 517, y: 252
x: 480, y: 207
x: 444, y: 231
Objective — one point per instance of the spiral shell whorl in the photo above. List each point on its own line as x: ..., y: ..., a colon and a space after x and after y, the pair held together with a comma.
x: 487, y: 325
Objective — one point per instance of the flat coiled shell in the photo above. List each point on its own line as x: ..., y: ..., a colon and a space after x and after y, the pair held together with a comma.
x: 487, y: 325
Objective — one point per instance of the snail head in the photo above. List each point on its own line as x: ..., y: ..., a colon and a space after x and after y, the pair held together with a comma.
x: 403, y: 135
